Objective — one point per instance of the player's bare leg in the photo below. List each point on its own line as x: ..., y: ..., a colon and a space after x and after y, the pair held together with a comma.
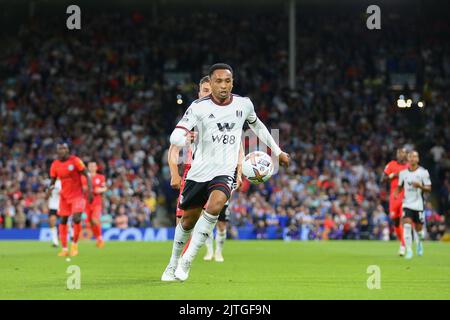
x: 63, y: 237
x: 52, y: 223
x: 76, y: 219
x: 398, y: 227
x: 407, y: 233
x: 97, y: 230
x: 183, y: 232
x: 202, y: 230
x: 221, y: 235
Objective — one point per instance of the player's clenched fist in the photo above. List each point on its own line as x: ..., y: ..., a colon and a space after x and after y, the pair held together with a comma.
x: 175, y: 182
x: 284, y: 159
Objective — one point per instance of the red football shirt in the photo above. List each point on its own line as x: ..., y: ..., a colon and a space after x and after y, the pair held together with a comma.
x: 98, y: 181
x: 394, y: 167
x: 69, y: 172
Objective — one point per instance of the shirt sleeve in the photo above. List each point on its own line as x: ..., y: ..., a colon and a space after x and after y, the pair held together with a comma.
x: 79, y: 164
x: 388, y: 169
x: 426, y: 181
x: 189, y: 120
x: 261, y: 130
x: 251, y: 116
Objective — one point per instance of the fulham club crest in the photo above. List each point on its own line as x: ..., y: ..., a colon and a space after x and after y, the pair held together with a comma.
x: 239, y: 113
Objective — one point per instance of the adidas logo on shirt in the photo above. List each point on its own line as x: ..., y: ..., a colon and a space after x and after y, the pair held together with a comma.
x: 211, y: 116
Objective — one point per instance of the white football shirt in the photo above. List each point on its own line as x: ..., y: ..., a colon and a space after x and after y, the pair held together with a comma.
x: 53, y: 201
x: 219, y: 135
x: 413, y: 198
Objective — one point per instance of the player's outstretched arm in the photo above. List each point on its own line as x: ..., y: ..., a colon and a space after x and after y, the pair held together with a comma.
x: 172, y: 159
x: 261, y: 131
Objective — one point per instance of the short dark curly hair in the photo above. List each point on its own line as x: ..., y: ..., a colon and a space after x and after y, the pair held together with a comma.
x: 219, y: 66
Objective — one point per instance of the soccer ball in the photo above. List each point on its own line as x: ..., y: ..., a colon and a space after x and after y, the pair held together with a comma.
x: 257, y: 167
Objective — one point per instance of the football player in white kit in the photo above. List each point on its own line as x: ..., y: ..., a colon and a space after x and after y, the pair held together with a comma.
x: 415, y: 180
x: 53, y: 206
x: 219, y: 118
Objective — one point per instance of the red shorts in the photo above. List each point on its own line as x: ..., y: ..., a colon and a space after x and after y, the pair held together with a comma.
x: 395, y: 208
x: 67, y: 207
x: 93, y: 211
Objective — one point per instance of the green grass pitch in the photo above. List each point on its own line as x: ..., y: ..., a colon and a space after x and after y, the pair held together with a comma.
x: 252, y: 270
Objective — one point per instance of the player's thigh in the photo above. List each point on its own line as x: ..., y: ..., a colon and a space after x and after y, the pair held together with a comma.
x: 78, y: 205
x: 219, y: 191
x: 179, y: 212
x: 408, y: 216
x: 216, y: 201
x: 52, y: 217
x: 418, y: 219
x: 95, y: 213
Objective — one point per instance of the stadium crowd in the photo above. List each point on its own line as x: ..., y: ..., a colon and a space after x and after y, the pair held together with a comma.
x: 110, y: 90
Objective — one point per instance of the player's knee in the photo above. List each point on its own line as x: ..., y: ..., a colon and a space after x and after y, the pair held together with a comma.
x: 397, y: 222
x: 215, y: 206
x: 77, y: 218
x: 187, y: 222
x: 221, y: 226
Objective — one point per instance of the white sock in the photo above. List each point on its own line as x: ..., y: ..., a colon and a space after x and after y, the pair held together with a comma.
x: 209, y: 243
x: 54, y: 232
x: 179, y: 241
x: 415, y: 236
x: 202, y: 230
x: 220, y: 239
x: 407, y: 234
x: 420, y: 235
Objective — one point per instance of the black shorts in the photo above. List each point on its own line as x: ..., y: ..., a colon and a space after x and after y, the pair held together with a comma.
x: 52, y: 212
x: 224, y: 215
x: 196, y: 194
x: 415, y: 216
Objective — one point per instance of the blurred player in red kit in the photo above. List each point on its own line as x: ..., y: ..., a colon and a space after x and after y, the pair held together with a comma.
x: 94, y: 209
x: 391, y: 172
x: 69, y: 169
